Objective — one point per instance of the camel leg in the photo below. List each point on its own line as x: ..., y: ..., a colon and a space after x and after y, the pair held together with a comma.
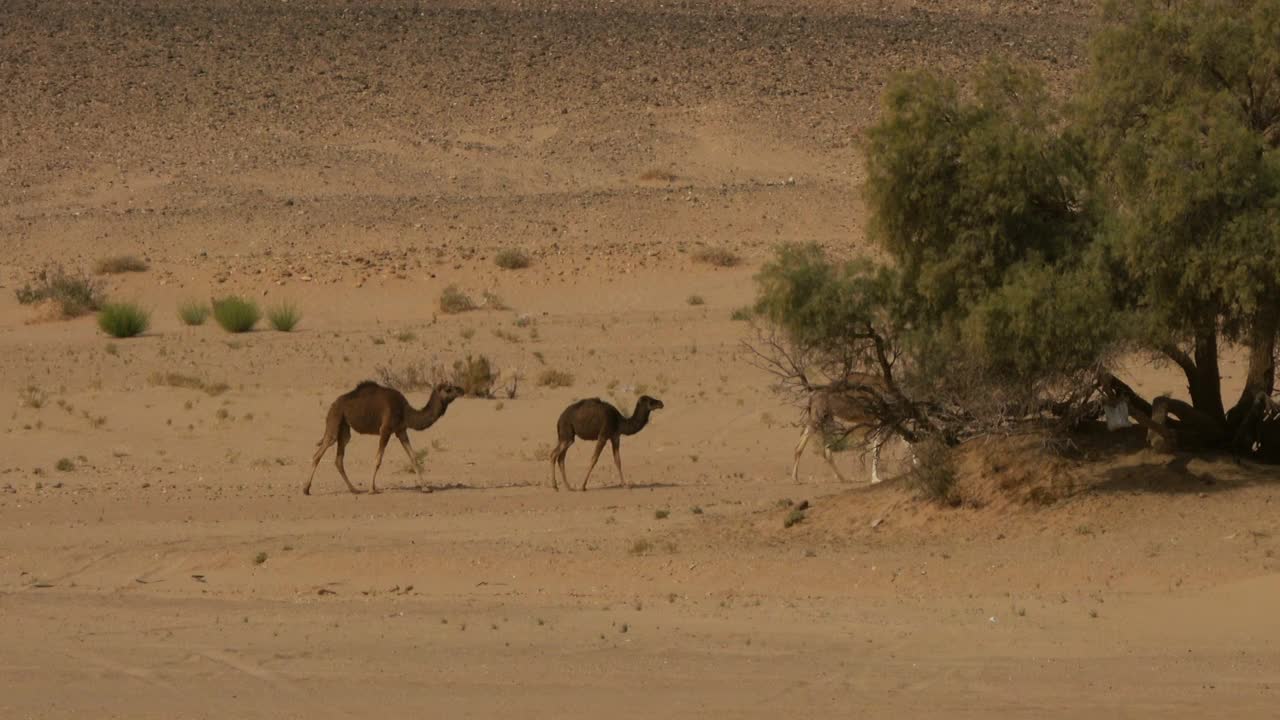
x: 325, y: 443
x: 344, y: 437
x: 831, y: 460
x: 383, y: 438
x: 594, y: 457
x: 557, y: 456
x: 403, y: 437
x: 564, y: 474
x: 617, y: 460
x: 804, y: 440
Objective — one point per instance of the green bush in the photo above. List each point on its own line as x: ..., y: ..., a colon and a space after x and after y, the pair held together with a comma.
x: 284, y: 317
x: 512, y: 259
x: 123, y: 320
x: 236, y: 314
x: 192, y: 312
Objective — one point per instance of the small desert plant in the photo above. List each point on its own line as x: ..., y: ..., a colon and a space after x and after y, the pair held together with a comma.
x: 192, y: 312
x: 284, y: 317
x: 453, y: 300
x: 794, y: 517
x: 640, y: 547
x: 475, y: 376
x: 259, y: 558
x: 696, y: 300
x: 718, y: 256
x: 492, y: 300
x: 658, y: 175
x: 189, y: 382
x: 512, y: 259
x: 75, y: 294
x: 410, y: 378
x: 123, y: 320
x: 555, y: 378
x: 742, y: 314
x: 65, y: 465
x: 934, y: 476
x: 33, y: 397
x: 117, y: 264
x: 236, y: 314
x: 661, y: 514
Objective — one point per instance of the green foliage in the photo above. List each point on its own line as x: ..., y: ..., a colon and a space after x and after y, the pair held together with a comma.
x: 1186, y: 130
x: 74, y: 293
x: 236, y: 314
x: 123, y: 320
x: 284, y: 317
x: 193, y: 312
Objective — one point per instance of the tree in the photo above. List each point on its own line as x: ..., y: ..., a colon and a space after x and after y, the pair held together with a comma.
x: 1033, y: 242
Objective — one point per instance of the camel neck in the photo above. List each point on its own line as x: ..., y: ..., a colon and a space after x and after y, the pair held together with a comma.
x: 426, y: 417
x: 637, y: 421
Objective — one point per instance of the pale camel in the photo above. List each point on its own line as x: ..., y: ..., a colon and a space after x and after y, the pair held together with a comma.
x: 595, y: 419
x: 852, y: 403
x: 371, y: 409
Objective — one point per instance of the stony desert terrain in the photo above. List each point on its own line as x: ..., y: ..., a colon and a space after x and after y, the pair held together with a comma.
x: 356, y: 158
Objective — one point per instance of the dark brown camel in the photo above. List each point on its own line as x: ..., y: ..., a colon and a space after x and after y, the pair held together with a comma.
x: 371, y: 409
x: 595, y: 419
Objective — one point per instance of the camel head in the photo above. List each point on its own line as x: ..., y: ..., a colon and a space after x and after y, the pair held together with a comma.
x: 650, y: 403
x: 447, y: 393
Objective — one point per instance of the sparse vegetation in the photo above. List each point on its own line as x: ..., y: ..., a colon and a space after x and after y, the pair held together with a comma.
x: 406, y: 336
x: 512, y: 259
x: 74, y: 294
x: 696, y: 300
x: 190, y: 382
x: 555, y: 378
x: 453, y: 300
x: 658, y: 175
x: 492, y: 301
x: 661, y: 514
x: 934, y: 476
x: 117, y: 264
x: 259, y: 558
x: 794, y: 517
x: 718, y: 256
x: 640, y: 547
x: 33, y: 397
x: 475, y: 376
x: 123, y: 320
x: 284, y: 317
x: 65, y: 465
x: 236, y: 314
x: 742, y: 314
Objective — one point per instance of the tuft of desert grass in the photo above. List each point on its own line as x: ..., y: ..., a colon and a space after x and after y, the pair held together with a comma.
x: 193, y: 312
x: 123, y: 320
x: 117, y: 264
x: 555, y: 378
x: 284, y: 317
x: 73, y: 294
x: 719, y: 256
x: 512, y: 259
x: 453, y: 301
x: 696, y: 300
x: 236, y: 314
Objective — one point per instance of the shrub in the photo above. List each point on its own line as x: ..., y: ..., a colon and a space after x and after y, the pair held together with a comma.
x: 795, y: 517
x: 719, y: 256
x: 123, y: 320
x: 193, y: 312
x: 475, y: 376
x: 661, y: 514
x: 284, y: 317
x: 555, y: 378
x: 658, y: 175
x: 117, y: 264
x: 934, y: 476
x: 453, y: 300
x: 696, y: 300
x: 75, y: 294
x: 742, y: 314
x: 236, y: 314
x: 65, y: 465
x: 512, y: 259
x: 410, y: 378
x: 259, y: 558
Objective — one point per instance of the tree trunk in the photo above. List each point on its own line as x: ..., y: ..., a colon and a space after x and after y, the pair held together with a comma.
x: 1205, y: 381
x: 1261, y: 375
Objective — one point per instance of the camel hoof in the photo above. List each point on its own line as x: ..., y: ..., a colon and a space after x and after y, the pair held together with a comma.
x: 375, y: 491
x: 426, y: 489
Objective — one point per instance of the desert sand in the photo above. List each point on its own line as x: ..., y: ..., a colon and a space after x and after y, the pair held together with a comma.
x: 357, y: 158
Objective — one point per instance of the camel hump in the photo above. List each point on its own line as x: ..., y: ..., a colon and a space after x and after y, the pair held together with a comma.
x: 364, y: 385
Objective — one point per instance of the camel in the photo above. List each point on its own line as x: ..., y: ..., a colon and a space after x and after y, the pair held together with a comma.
x: 371, y: 409
x: 595, y: 419
x: 851, y: 402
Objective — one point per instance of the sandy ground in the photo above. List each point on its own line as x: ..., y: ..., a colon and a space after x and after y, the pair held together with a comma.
x: 356, y: 159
